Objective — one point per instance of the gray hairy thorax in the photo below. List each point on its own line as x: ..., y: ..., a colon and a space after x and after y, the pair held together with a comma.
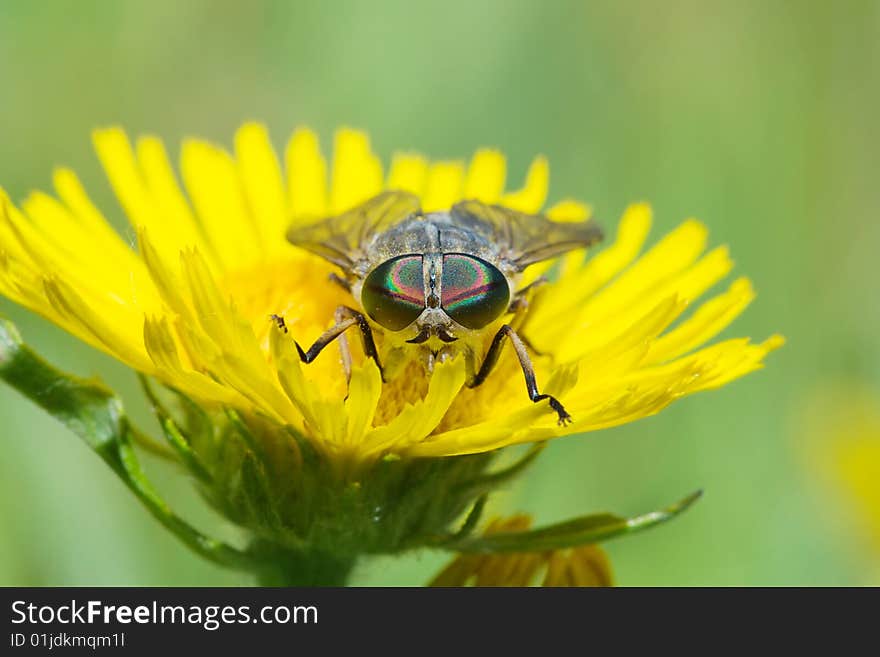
x: 432, y: 234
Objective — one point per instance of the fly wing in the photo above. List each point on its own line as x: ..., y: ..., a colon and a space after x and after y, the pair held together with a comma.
x: 342, y: 239
x: 524, y: 239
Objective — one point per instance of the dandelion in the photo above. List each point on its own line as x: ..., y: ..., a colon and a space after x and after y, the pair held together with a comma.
x: 322, y: 467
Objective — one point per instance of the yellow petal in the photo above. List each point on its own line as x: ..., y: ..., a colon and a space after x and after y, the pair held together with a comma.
x: 709, y: 320
x: 532, y: 196
x: 587, y: 565
x: 162, y: 347
x: 364, y: 390
x: 570, y: 210
x: 408, y: 173
x: 263, y: 186
x: 419, y: 419
x: 676, y: 251
x: 306, y: 176
x: 444, y: 186
x: 115, y: 153
x: 357, y: 172
x: 290, y: 375
x: 91, y: 221
x: 557, y: 306
x: 214, y: 186
x: 485, y: 176
x: 173, y: 224
x: 110, y: 325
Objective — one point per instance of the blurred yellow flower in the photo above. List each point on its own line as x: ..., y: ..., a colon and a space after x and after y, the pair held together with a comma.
x: 842, y: 430
x: 586, y: 565
x: 191, y: 305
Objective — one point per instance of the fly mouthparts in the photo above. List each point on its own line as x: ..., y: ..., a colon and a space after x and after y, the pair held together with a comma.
x: 425, y: 333
x: 423, y: 336
x: 443, y: 335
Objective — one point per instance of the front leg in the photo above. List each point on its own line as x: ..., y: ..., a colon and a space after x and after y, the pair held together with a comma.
x: 525, y: 363
x: 341, y: 282
x: 521, y: 299
x: 519, y: 307
x: 345, y: 318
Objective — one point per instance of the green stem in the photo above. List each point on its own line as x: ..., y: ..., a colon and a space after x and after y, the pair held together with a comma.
x: 281, y: 567
x: 96, y: 415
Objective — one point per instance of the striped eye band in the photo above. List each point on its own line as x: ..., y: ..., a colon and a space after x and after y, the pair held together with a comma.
x: 394, y: 292
x: 474, y: 292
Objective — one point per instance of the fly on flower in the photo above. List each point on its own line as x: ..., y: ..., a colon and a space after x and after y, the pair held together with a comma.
x: 434, y: 283
x: 318, y: 475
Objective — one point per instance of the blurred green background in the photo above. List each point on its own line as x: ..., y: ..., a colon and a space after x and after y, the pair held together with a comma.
x: 757, y: 117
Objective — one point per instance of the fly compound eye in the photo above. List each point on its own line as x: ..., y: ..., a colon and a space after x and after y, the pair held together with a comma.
x: 394, y: 292
x: 474, y: 293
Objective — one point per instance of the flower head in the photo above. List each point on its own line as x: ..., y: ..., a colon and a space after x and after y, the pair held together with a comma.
x: 191, y: 305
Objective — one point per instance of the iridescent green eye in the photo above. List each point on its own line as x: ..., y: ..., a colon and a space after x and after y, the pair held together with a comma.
x: 394, y: 292
x: 474, y: 293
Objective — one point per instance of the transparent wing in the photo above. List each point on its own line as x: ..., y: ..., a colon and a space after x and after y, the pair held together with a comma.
x: 524, y: 239
x: 341, y: 239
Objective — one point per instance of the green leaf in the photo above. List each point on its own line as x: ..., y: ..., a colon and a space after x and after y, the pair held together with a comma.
x: 96, y: 415
x: 572, y: 533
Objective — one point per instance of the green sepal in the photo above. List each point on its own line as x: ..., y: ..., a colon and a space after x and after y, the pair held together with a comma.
x: 96, y: 415
x: 175, y: 437
x: 257, y: 490
x: 488, y: 482
x: 572, y: 533
x: 473, y: 517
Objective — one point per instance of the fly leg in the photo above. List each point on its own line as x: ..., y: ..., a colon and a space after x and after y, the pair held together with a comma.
x: 345, y: 318
x: 342, y: 341
x: 528, y: 371
x: 341, y: 282
x: 519, y: 307
x: 522, y: 297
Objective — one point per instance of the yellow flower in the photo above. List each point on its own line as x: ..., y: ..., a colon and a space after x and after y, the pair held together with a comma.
x: 858, y: 468
x: 190, y: 305
x: 586, y: 565
x: 838, y: 433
